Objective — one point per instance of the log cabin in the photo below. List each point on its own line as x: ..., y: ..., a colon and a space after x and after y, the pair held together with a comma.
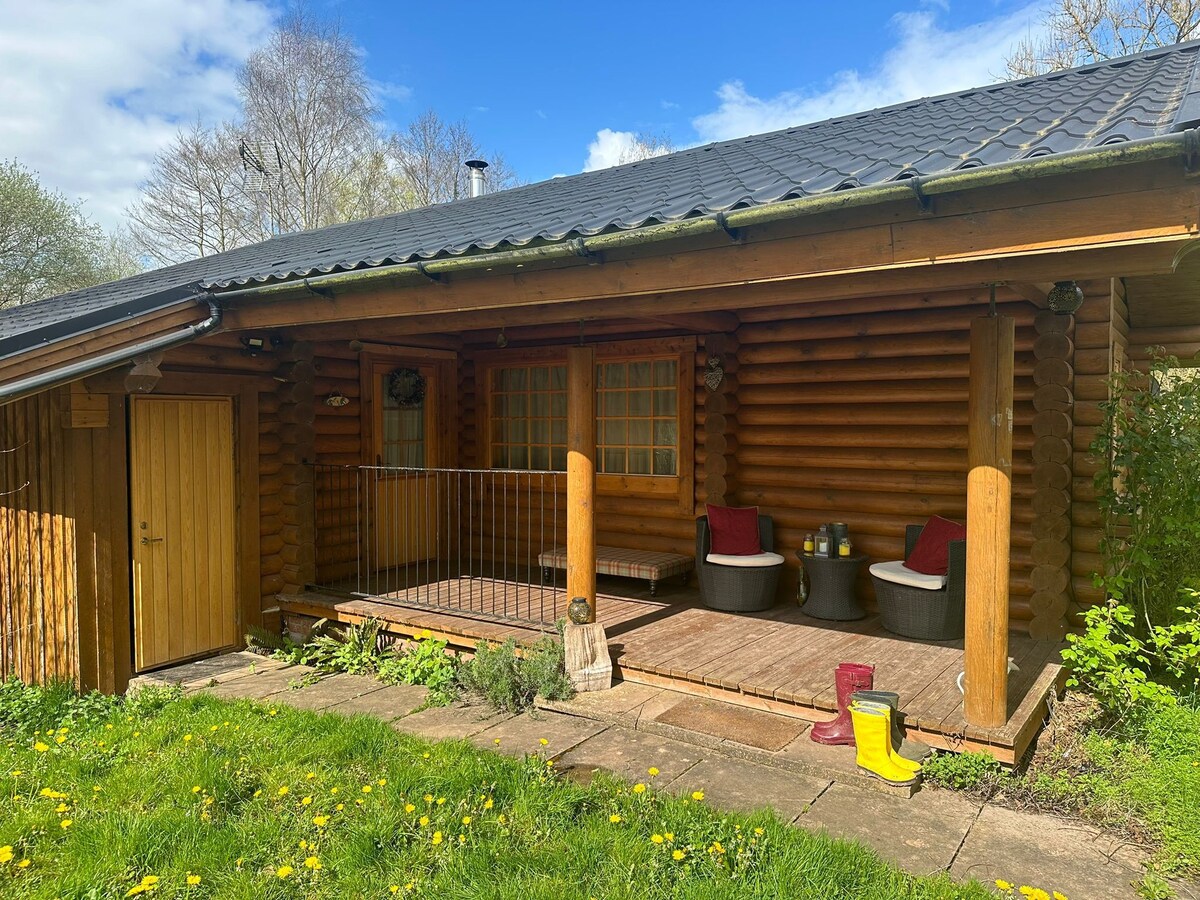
x: 405, y: 417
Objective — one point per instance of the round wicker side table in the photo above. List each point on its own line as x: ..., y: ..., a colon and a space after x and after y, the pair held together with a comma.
x: 831, y: 592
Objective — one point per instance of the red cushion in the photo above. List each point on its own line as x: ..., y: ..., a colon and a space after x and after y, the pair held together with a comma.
x: 931, y: 555
x: 734, y: 530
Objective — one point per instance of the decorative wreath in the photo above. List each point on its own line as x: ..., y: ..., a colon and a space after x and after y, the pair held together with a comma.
x: 407, y: 388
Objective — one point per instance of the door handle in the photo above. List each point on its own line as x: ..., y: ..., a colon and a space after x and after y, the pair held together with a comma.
x: 147, y: 540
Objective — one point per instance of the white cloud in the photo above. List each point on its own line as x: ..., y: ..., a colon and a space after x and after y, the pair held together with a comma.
x: 925, y: 60
x: 93, y: 90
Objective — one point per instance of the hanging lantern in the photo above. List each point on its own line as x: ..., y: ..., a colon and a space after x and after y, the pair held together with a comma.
x: 1065, y: 298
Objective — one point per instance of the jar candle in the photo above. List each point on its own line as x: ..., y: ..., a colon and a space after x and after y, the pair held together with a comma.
x: 844, y: 547
x: 809, y: 544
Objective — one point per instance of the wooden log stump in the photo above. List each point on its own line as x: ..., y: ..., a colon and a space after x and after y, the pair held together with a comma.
x: 588, y: 663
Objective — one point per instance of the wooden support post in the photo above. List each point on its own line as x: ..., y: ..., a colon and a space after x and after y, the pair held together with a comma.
x: 989, y: 525
x: 581, y: 475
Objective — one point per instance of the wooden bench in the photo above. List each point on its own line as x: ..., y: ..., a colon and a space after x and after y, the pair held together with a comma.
x: 647, y: 564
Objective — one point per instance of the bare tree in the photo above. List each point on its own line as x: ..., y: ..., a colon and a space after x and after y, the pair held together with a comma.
x: 430, y: 153
x: 194, y: 203
x: 1081, y: 31
x: 645, y: 146
x: 306, y: 94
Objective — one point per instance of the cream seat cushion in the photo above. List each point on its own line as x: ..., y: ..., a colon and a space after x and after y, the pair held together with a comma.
x: 753, y: 561
x: 898, y: 573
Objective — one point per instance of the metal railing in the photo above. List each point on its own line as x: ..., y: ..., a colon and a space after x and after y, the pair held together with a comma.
x: 459, y: 540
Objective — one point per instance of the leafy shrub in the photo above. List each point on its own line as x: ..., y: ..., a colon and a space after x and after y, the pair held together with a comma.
x: 975, y: 773
x: 425, y: 662
x: 1146, y: 641
x: 511, y: 682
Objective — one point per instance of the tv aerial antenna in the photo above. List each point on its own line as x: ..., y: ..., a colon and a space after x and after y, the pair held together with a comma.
x: 262, y: 165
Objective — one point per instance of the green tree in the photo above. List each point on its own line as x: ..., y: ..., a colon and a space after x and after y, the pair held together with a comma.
x: 47, y: 245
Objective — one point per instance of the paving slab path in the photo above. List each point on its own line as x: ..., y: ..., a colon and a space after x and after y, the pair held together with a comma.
x: 742, y: 759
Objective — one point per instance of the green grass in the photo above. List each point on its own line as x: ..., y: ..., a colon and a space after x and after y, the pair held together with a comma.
x: 219, y: 790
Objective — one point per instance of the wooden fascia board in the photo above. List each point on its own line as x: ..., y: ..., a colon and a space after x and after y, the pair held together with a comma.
x: 637, y: 290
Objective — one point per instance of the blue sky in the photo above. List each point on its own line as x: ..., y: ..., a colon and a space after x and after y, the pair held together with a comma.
x: 554, y: 87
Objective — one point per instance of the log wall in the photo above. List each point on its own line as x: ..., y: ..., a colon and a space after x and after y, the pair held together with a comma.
x: 1101, y: 342
x: 856, y: 411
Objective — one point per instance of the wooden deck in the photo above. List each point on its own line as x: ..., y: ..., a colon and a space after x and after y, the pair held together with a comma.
x: 781, y: 660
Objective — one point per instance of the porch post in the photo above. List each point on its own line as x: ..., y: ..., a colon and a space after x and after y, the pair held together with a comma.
x: 989, y: 528
x: 581, y: 475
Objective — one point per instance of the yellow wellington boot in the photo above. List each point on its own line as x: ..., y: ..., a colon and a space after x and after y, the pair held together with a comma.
x: 873, y: 738
x: 886, y: 711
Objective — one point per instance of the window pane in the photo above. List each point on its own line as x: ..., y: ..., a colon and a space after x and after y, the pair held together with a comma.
x: 664, y: 432
x: 499, y: 456
x: 639, y: 432
x: 518, y: 406
x: 614, y: 460
x: 518, y: 457
x: 539, y: 457
x: 558, y: 378
x: 518, y: 431
x: 639, y: 462
x: 539, y: 404
x: 515, y: 379
x: 665, y: 371
x: 664, y: 402
x: 539, y: 378
x: 615, y: 403
x: 539, y: 431
x: 558, y: 459
x: 639, y: 374
x: 500, y: 405
x: 614, y: 432
x: 614, y: 375
x: 558, y: 431
x: 664, y: 462
x: 558, y: 404
x: 639, y: 403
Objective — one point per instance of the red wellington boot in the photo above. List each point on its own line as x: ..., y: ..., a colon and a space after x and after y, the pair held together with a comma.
x: 850, y: 677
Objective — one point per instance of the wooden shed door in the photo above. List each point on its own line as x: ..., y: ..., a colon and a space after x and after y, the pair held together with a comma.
x: 184, y: 528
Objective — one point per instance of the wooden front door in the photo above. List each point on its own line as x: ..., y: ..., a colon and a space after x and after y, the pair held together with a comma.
x: 184, y: 526
x: 403, y: 498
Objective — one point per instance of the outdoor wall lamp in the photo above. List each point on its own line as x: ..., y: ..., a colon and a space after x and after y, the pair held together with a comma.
x: 252, y: 346
x: 1065, y: 298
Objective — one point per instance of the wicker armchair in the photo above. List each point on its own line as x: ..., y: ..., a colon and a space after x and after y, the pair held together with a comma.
x: 931, y: 615
x: 737, y: 588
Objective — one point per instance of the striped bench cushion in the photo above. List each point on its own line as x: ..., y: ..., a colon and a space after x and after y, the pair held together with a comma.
x: 646, y: 564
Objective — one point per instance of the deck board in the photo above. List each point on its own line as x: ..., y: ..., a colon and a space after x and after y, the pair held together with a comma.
x: 780, y: 659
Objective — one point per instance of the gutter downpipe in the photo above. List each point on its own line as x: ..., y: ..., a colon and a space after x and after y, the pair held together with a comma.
x: 15, y: 390
x: 918, y: 188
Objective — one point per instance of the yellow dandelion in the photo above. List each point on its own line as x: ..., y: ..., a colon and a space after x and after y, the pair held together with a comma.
x: 395, y: 888
x: 382, y: 782
x: 437, y: 838
x: 60, y: 739
x: 656, y: 838
x: 307, y: 801
x: 311, y: 775
x: 366, y: 789
x: 441, y: 800
x: 1003, y: 885
x: 258, y: 793
x: 66, y: 823
x: 677, y: 855
x: 697, y: 795
x: 423, y: 821
x: 240, y: 860
x: 639, y: 788
x: 466, y: 820
x: 17, y: 773
x: 408, y: 807
x: 496, y: 741
x: 284, y: 872
x: 187, y: 738
x: 320, y: 821
x: 61, y: 808
x: 653, y: 770
x: 24, y: 864
x: 196, y: 789
x: 283, y: 790
x: 6, y: 853
x: 312, y: 863
x: 40, y: 747
x: 669, y: 835
x: 340, y: 807
x: 489, y: 803
x: 758, y: 831
x: 303, y: 844
x: 271, y: 713
x: 193, y: 880
x: 614, y: 818
x: 424, y: 756
x: 543, y: 741
x: 214, y: 728
x: 1059, y: 896
x: 502, y: 818
x: 428, y: 798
